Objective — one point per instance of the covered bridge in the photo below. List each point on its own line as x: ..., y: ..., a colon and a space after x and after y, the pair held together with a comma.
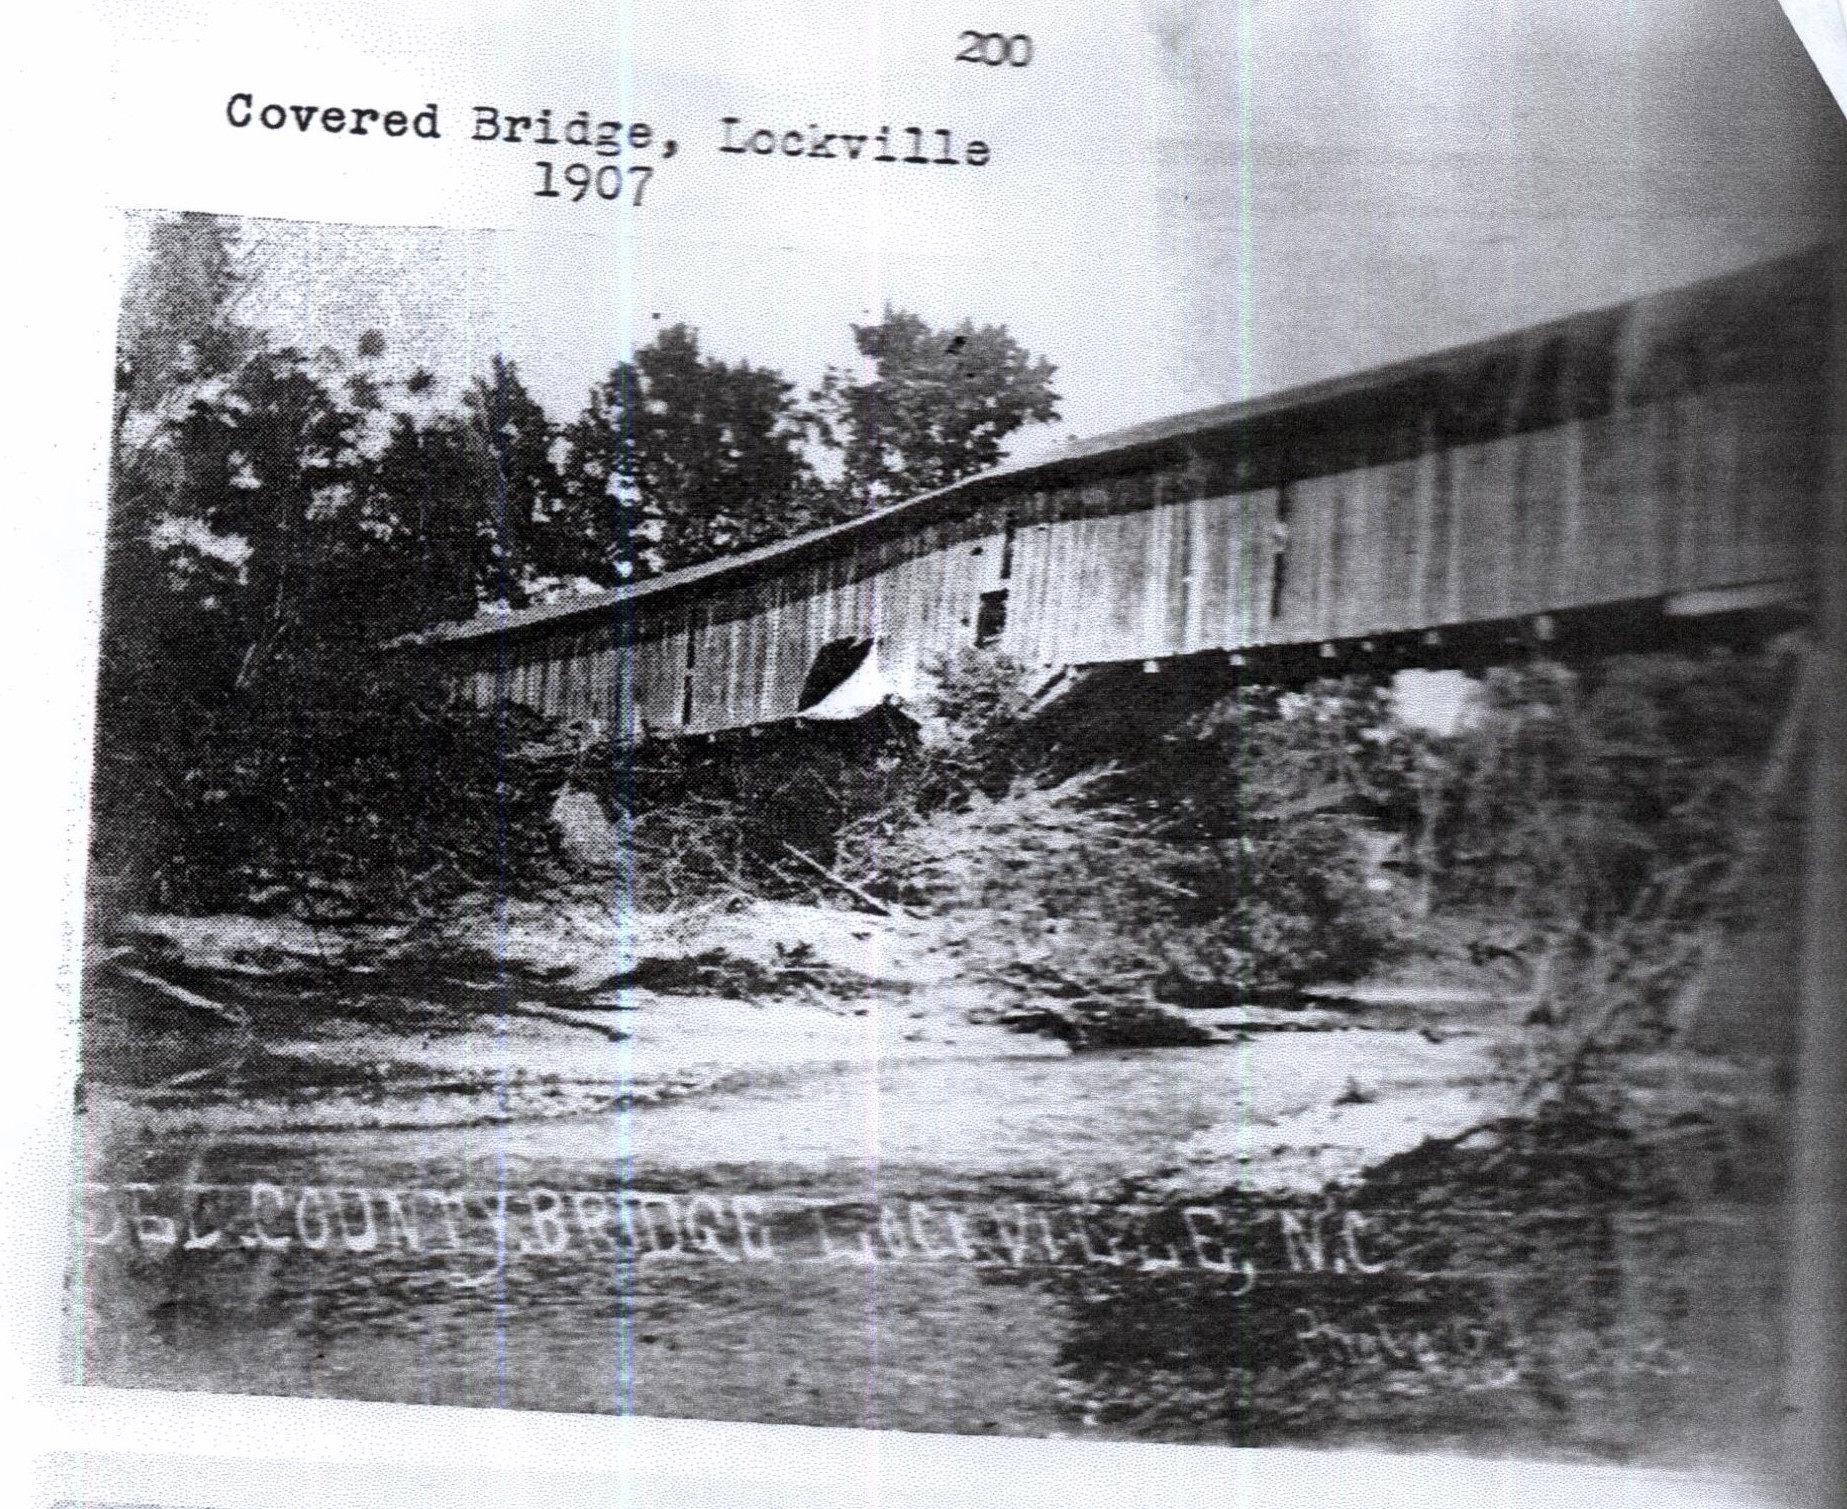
x: 1663, y: 459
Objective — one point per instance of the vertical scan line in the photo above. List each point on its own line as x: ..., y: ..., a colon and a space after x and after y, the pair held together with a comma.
x: 1243, y: 45
x: 624, y: 880
x: 502, y: 870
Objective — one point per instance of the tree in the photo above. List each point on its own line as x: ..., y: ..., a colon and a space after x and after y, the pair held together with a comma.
x: 178, y: 326
x: 269, y: 527
x: 178, y: 346
x: 679, y: 457
x: 937, y: 408
x: 427, y: 500
x: 269, y: 469
x: 517, y: 486
x: 469, y: 507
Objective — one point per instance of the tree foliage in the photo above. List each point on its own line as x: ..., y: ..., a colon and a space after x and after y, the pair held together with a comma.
x: 679, y: 456
x: 278, y: 515
x: 263, y: 545
x: 928, y: 407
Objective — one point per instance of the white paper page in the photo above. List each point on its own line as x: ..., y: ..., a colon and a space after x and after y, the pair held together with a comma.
x: 1233, y: 913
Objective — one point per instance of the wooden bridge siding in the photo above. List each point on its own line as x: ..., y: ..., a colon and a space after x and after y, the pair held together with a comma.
x: 1690, y: 492
x: 1694, y: 490
x: 753, y: 646
x: 1785, y: 464
x: 658, y: 663
x: 1683, y: 454
x: 1042, y: 594
x: 1101, y: 583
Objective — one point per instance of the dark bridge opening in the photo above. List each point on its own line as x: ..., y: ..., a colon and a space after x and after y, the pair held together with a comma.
x: 833, y: 663
x: 990, y: 617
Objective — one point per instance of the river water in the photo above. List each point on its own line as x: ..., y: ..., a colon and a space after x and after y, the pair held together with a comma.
x: 843, y: 1218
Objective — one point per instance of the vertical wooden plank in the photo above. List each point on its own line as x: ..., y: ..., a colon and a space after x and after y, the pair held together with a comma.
x: 1718, y: 440
x: 1484, y: 486
x: 1356, y: 567
x: 1161, y: 588
x: 1539, y: 503
x: 777, y: 701
x: 1517, y: 527
x: 1249, y: 620
x: 1094, y: 543
x: 740, y: 701
x: 1466, y: 550
x: 895, y: 621
x: 1331, y: 511
x: 1122, y: 554
x: 596, y: 678
x: 1606, y: 553
x: 1678, y: 516
x: 659, y: 663
x: 1281, y: 589
x: 712, y: 678
x: 1324, y: 493
x: 1366, y: 567
x: 1452, y: 523
x: 578, y: 706
x: 1219, y: 559
x: 730, y: 684
x: 1702, y: 443
x: 1069, y: 587
x: 1653, y: 453
x: 1783, y: 478
x: 1310, y: 587
x: 625, y: 683
x: 1057, y: 644
x: 1566, y: 581
x: 1043, y: 535
x: 616, y: 677
x: 1325, y: 507
x: 757, y: 659
x: 1033, y: 553
x: 1026, y: 594
x: 706, y: 676
x: 1388, y: 561
x: 1181, y: 567
x: 1424, y: 574
x: 1203, y: 581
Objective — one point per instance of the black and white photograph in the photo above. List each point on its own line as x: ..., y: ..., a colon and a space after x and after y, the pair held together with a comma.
x: 1100, y: 724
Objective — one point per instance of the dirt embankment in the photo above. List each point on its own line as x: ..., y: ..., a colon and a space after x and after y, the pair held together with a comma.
x: 773, y: 1016
x: 1425, y: 1269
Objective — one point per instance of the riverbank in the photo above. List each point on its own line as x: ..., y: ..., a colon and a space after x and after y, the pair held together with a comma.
x: 782, y: 1163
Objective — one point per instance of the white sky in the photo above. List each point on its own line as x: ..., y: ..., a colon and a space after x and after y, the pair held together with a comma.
x: 1186, y: 204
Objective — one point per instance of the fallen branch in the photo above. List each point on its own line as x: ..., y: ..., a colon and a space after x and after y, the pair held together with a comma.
x: 565, y: 1018
x: 846, y: 885
x: 192, y: 1000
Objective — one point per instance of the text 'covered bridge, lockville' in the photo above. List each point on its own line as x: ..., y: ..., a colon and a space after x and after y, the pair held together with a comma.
x: 1616, y: 475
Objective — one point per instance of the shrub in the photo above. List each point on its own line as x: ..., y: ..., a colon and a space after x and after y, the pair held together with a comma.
x: 338, y: 798
x: 1229, y: 870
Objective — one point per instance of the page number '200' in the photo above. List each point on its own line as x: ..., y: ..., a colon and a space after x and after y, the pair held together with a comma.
x: 995, y: 48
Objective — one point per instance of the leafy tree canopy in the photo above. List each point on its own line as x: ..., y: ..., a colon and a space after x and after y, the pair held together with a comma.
x: 936, y: 408
x: 678, y: 457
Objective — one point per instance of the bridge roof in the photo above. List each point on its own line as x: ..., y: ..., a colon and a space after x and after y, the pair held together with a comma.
x: 1594, y: 358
